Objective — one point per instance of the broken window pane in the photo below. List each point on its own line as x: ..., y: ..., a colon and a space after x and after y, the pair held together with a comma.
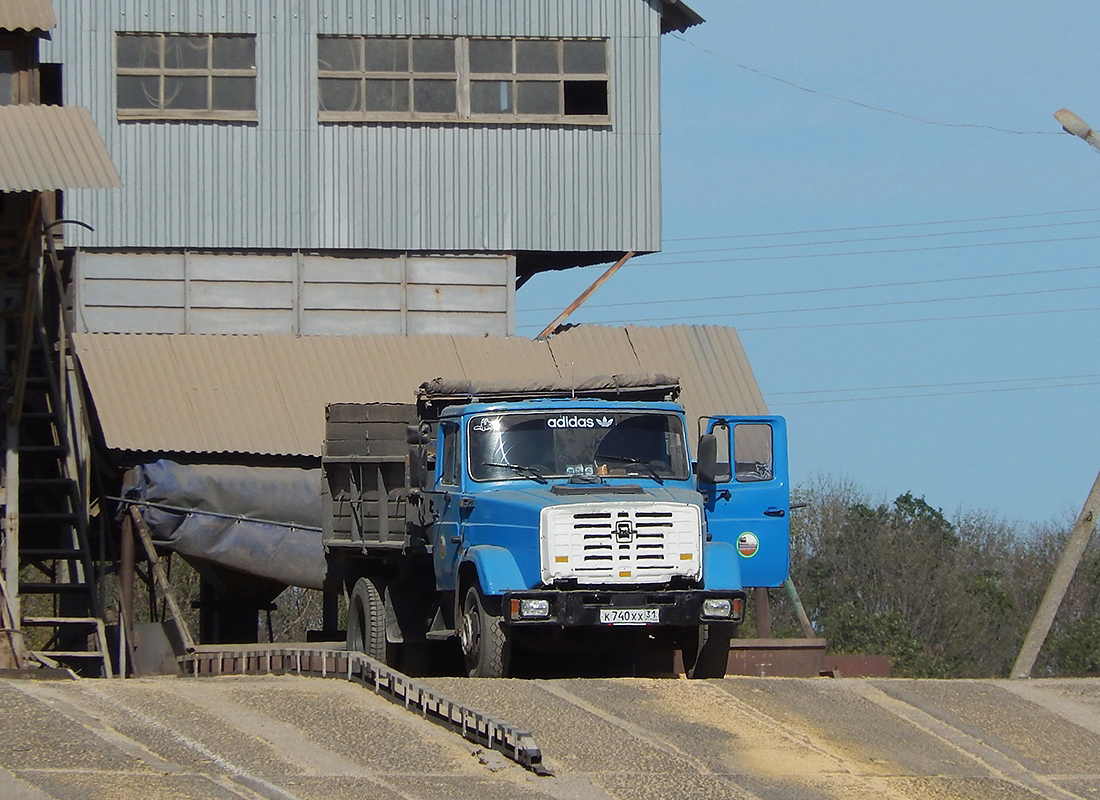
x: 537, y: 97
x: 138, y: 91
x: 234, y: 52
x: 433, y: 55
x: 585, y: 57
x: 490, y: 55
x: 491, y: 97
x: 586, y: 98
x: 436, y: 97
x: 387, y: 55
x: 234, y: 94
x: 139, y: 52
x: 533, y: 57
x: 189, y: 93
x: 339, y: 95
x: 186, y: 52
x: 387, y: 95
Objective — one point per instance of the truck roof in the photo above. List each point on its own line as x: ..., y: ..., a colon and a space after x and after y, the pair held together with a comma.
x: 440, y: 393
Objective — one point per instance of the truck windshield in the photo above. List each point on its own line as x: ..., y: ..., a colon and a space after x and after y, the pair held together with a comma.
x: 554, y: 444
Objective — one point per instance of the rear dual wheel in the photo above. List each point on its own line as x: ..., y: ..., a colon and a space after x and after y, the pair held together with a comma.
x: 367, y: 622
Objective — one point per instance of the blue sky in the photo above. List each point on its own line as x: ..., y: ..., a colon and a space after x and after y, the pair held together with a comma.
x: 951, y: 345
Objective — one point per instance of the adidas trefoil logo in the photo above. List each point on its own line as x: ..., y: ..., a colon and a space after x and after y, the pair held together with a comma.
x: 605, y: 422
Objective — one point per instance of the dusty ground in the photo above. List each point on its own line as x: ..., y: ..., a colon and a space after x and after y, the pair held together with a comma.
x: 635, y: 739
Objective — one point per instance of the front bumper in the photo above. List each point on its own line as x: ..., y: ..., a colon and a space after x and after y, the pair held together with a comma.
x: 588, y: 607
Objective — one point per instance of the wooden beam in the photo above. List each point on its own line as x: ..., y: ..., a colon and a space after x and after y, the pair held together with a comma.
x: 162, y: 579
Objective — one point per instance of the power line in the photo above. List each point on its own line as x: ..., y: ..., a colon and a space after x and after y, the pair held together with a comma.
x: 936, y: 385
x: 938, y: 234
x: 869, y: 252
x: 854, y: 306
x: 886, y: 226
x: 866, y: 106
x: 822, y: 290
x: 891, y: 321
x: 941, y: 394
x: 920, y: 320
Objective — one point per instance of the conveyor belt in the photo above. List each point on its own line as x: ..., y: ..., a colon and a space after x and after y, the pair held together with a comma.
x: 474, y: 725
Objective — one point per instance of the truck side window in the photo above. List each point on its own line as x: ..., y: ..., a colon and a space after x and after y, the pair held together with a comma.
x: 752, y: 451
x: 449, y: 454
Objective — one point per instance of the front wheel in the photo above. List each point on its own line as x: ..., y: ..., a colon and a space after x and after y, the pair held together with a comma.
x: 484, y: 640
x: 706, y: 653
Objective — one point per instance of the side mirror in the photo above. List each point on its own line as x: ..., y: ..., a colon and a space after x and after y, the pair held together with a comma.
x: 707, y: 467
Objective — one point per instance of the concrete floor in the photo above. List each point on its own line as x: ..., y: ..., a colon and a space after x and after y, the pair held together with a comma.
x: 629, y: 738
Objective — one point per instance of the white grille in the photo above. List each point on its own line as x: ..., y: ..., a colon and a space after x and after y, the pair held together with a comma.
x: 601, y: 543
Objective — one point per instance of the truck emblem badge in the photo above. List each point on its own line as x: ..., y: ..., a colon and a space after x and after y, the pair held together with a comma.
x: 748, y: 544
x: 624, y: 531
x: 605, y: 422
x: 485, y: 424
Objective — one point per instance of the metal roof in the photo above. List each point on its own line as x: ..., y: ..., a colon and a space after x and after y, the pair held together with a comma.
x: 52, y: 147
x: 676, y: 16
x: 26, y: 15
x: 266, y: 394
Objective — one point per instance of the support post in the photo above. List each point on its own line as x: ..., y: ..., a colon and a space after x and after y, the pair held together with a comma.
x: 763, y: 613
x: 600, y: 281
x: 800, y: 610
x: 1059, y: 584
x: 9, y: 565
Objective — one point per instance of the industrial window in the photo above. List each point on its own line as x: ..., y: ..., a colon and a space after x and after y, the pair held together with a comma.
x: 364, y: 78
x: 186, y: 76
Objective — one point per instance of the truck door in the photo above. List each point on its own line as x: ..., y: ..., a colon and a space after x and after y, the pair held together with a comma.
x: 446, y: 540
x: 749, y: 503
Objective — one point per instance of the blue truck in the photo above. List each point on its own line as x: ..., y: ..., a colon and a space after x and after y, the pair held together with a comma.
x: 551, y: 516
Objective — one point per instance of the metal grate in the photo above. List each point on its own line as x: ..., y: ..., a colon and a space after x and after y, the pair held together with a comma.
x: 621, y: 543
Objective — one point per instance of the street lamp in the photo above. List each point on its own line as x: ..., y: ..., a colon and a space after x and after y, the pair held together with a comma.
x: 1071, y: 123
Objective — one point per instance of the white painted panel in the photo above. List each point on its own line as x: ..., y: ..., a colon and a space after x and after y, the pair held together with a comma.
x: 133, y: 320
x: 351, y: 296
x: 350, y: 323
x: 351, y: 270
x: 458, y: 298
x: 133, y: 293
x: 457, y: 323
x: 218, y: 321
x: 480, y: 271
x: 232, y: 295
x: 167, y: 266
x: 241, y: 268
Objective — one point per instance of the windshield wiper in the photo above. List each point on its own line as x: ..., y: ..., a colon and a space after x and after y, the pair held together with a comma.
x: 520, y: 468
x: 628, y: 460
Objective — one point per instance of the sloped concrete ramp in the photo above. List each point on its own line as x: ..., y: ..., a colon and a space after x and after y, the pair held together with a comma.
x: 630, y: 739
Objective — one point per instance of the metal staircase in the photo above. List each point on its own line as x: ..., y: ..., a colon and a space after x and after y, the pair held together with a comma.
x: 58, y: 602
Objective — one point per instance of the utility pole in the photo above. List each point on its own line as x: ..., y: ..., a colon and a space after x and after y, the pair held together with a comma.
x: 1059, y: 583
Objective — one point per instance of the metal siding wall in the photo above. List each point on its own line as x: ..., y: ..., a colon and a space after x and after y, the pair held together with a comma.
x: 289, y: 182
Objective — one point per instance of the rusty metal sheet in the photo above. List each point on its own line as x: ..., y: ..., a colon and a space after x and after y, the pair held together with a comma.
x: 266, y: 394
x: 52, y: 147
x: 26, y: 15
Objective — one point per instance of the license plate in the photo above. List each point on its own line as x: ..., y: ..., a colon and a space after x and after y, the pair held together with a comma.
x: 629, y: 616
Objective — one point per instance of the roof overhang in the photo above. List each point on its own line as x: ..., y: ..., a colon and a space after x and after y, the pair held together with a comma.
x: 676, y: 16
x: 32, y: 16
x: 52, y: 147
x: 265, y: 395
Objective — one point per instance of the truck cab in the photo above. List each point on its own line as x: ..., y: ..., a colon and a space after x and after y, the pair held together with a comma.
x: 567, y: 521
x: 555, y: 518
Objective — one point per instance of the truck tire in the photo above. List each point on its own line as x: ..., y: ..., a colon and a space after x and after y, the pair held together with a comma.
x: 706, y: 654
x: 484, y: 640
x: 367, y: 622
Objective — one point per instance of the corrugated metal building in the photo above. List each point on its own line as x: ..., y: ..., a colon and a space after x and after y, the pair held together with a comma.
x: 326, y: 160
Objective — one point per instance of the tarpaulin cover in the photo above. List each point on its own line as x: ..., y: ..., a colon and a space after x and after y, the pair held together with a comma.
x: 273, y: 529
